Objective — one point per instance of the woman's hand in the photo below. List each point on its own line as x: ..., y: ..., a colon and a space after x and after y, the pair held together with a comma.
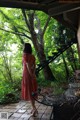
x: 30, y: 70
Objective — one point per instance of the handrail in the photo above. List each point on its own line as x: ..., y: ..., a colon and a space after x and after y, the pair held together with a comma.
x: 55, y: 55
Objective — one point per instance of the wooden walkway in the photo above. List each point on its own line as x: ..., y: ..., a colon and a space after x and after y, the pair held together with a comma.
x: 21, y: 110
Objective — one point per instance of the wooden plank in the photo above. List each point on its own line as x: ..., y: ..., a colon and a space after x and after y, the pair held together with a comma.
x: 26, y: 116
x: 47, y: 113
x: 21, y: 4
x: 15, y: 114
x: 63, y: 8
x: 11, y: 118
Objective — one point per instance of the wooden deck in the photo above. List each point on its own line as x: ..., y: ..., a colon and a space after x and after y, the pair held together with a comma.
x: 21, y: 110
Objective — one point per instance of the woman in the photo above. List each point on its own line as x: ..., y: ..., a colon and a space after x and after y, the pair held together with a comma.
x: 29, y: 84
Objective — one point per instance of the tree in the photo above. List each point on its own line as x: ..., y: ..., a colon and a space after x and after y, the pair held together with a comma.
x: 29, y: 27
x: 65, y: 36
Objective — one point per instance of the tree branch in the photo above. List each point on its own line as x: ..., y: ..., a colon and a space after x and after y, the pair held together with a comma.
x: 16, y: 33
x: 46, y: 24
x: 14, y: 27
x: 26, y: 21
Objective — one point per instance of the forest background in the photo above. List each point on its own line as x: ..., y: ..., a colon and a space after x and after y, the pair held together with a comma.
x: 47, y: 37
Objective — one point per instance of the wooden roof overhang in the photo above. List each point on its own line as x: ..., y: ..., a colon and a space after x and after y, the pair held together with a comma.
x: 65, y: 12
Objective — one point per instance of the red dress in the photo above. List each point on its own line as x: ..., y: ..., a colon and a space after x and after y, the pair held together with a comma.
x: 29, y: 84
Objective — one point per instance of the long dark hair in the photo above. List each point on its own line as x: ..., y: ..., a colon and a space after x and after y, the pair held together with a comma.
x: 27, y: 48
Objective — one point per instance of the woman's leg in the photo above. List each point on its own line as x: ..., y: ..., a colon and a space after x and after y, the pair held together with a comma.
x: 33, y: 104
x: 34, y: 111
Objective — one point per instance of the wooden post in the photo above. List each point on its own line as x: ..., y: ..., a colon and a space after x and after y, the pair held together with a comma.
x: 78, y: 37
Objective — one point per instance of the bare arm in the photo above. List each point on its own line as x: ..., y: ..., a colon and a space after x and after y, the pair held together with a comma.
x: 31, y: 69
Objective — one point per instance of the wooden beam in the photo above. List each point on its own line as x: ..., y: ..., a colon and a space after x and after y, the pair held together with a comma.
x: 78, y: 37
x: 63, y: 8
x: 60, y: 18
x: 47, y: 1
x: 21, y: 4
x: 69, y: 21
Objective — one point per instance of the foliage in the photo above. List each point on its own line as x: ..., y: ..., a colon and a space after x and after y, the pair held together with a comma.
x: 42, y: 82
x: 13, y: 31
x: 57, y: 89
x: 8, y: 93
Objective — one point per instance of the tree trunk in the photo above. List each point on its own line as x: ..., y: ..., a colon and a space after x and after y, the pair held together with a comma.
x: 41, y: 55
x: 37, y: 40
x: 71, y: 59
x: 66, y: 68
